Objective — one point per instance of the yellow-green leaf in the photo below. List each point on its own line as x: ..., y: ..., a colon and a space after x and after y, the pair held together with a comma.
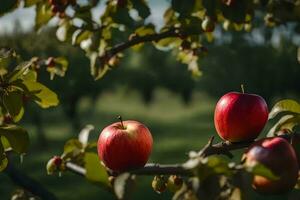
x: 95, y: 172
x: 42, y: 95
x: 43, y: 15
x: 287, y: 105
x: 14, y: 104
x: 16, y: 136
x: 259, y: 169
x: 285, y: 122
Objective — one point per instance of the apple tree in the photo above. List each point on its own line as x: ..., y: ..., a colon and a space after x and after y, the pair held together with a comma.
x: 188, y: 27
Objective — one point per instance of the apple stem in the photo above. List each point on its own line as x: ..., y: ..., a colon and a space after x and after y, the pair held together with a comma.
x: 242, y: 87
x: 120, y: 118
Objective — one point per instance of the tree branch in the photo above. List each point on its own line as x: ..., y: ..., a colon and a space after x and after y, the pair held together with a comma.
x: 221, y: 148
x: 140, y: 39
x: 29, y: 184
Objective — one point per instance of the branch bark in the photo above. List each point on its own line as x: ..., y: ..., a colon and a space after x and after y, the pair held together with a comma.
x: 172, y: 32
x: 221, y: 148
x: 23, y: 180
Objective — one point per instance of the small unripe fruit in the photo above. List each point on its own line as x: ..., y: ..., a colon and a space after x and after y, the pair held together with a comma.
x: 7, y: 119
x: 174, y: 183
x: 50, y: 62
x: 159, y: 184
x: 57, y: 160
x: 278, y: 156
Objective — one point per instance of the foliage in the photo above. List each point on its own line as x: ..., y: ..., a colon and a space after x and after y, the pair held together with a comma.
x: 181, y: 31
x: 19, y: 84
x: 186, y: 30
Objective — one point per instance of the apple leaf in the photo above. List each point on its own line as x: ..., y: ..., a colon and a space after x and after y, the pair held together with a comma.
x: 286, y: 122
x: 16, y: 136
x: 80, y: 35
x: 72, y: 146
x: 3, y: 159
x: 19, y: 71
x: 95, y: 172
x: 286, y: 105
x: 43, y: 15
x: 259, y: 169
x: 123, y: 185
x: 42, y: 95
x: 14, y: 104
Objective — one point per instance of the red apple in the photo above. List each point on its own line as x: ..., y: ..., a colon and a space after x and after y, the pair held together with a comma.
x: 294, y: 141
x: 240, y: 116
x: 125, y: 145
x: 278, y: 156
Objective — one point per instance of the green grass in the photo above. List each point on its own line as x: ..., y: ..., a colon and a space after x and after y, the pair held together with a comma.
x: 176, y: 130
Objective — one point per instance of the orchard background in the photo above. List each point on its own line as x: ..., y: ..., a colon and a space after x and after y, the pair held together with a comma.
x: 164, y: 63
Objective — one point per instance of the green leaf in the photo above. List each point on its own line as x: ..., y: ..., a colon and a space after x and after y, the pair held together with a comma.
x: 30, y: 75
x: 95, y: 172
x: 3, y: 158
x: 98, y: 69
x: 8, y: 5
x: 261, y: 170
x: 42, y: 95
x: 62, y: 30
x: 7, y: 56
x: 72, y: 145
x: 72, y: 148
x: 145, y: 30
x: 142, y: 8
x: 287, y: 105
x: 286, y: 122
x: 123, y: 185
x: 19, y: 71
x: 14, y: 104
x: 121, y: 16
x: 16, y: 136
x: 43, y: 15
x: 80, y: 35
x: 213, y: 165
x: 182, y: 7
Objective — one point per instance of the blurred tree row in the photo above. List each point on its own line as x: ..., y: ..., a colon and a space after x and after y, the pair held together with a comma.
x: 267, y: 69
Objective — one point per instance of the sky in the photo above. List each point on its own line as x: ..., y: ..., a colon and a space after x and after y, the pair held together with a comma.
x: 26, y: 16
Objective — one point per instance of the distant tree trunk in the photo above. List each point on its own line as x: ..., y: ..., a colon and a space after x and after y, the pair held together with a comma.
x: 38, y: 122
x: 70, y: 109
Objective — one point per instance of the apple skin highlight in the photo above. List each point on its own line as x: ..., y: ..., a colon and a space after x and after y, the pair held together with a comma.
x: 124, y: 146
x: 240, y: 117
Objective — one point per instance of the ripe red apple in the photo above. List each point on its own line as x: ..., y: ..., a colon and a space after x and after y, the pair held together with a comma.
x: 240, y: 116
x: 294, y: 141
x: 279, y: 156
x: 125, y: 145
